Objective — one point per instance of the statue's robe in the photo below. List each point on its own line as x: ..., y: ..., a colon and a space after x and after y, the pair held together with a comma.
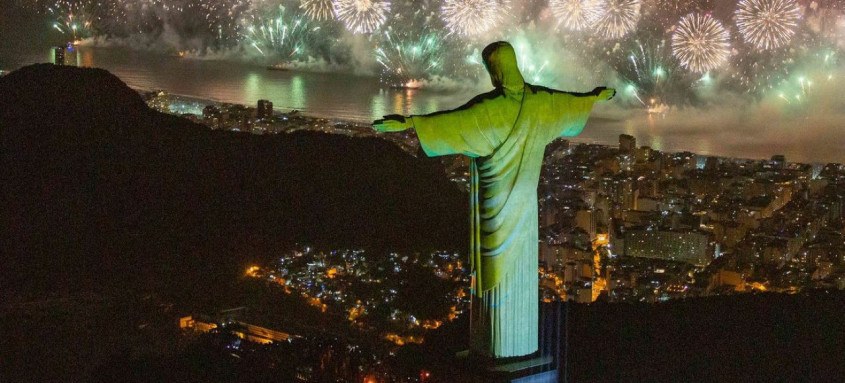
x: 505, y: 133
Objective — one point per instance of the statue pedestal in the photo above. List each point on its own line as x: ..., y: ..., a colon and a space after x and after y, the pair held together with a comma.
x: 528, y: 369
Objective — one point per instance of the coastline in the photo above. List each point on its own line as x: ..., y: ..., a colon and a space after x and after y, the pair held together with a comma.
x: 211, y: 101
x: 363, y: 127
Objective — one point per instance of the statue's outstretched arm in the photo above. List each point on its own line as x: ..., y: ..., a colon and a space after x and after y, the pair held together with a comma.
x: 603, y: 93
x: 465, y: 130
x: 573, y: 109
x: 456, y: 131
x: 466, y: 112
x: 600, y: 93
x: 393, y: 123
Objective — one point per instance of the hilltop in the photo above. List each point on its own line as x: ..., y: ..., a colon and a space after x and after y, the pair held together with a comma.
x: 93, y: 180
x: 117, y: 219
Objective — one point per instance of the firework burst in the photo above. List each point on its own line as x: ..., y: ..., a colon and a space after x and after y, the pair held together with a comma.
x: 362, y: 16
x: 645, y: 72
x: 657, y: 49
x: 700, y: 43
x: 575, y: 15
x: 614, y: 19
x: 816, y: 69
x: 144, y: 16
x: 410, y: 57
x: 74, y: 19
x: 318, y: 10
x: 473, y: 17
x: 650, y: 78
x: 221, y: 17
x: 282, y: 34
x: 532, y: 64
x: 767, y: 24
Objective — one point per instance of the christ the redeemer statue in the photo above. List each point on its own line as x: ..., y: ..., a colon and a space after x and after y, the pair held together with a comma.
x: 505, y: 133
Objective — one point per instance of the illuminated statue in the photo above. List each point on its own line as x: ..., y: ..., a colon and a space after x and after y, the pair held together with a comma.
x: 505, y: 133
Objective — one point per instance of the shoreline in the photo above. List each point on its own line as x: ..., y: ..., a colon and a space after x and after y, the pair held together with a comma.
x: 212, y: 101
x: 365, y: 126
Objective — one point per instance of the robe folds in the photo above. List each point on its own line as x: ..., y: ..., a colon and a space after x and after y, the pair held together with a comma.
x: 505, y: 136
x: 505, y: 133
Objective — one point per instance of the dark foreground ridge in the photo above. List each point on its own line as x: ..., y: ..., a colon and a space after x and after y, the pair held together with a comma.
x: 91, y: 175
x: 102, y: 197
x: 742, y: 338
x: 739, y: 338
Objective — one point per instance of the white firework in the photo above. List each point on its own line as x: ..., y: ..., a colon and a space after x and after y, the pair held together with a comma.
x: 768, y: 24
x: 701, y: 43
x: 362, y: 16
x: 318, y: 10
x: 473, y: 17
x: 575, y: 15
x: 614, y: 19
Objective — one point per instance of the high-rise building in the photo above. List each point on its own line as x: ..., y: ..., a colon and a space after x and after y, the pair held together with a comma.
x: 59, y: 55
x: 586, y: 220
x: 265, y: 109
x: 642, y: 155
x: 778, y: 161
x: 711, y: 164
x: 628, y: 193
x: 627, y: 143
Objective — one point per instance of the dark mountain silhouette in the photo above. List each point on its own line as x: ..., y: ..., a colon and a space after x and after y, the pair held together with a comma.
x: 95, y: 182
x: 115, y: 219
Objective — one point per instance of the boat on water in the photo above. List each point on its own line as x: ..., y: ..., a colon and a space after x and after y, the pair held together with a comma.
x: 279, y: 66
x: 408, y: 85
x: 404, y: 87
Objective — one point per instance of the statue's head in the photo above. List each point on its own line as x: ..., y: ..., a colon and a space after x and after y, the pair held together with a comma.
x: 500, y: 60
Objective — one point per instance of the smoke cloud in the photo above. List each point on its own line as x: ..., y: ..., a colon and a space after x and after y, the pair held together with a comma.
x: 801, y: 115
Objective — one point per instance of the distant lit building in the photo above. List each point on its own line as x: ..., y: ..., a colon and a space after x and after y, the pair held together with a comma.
x: 59, y: 55
x: 711, y: 164
x: 239, y: 117
x: 625, y: 193
x: 265, y: 109
x: 212, y: 116
x: 210, y: 112
x: 642, y: 154
x: 837, y: 208
x: 678, y: 246
x: 727, y: 278
x: 586, y: 220
x: 243, y: 330
x: 778, y: 161
x: 627, y: 143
